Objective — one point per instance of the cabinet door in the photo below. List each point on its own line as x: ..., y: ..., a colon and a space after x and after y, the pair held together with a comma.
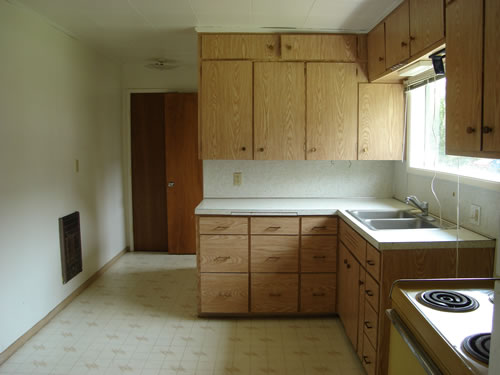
x: 376, y: 51
x: 347, y: 293
x: 319, y: 47
x: 279, y: 111
x: 464, y: 55
x: 332, y: 102
x: 426, y: 24
x: 491, y: 101
x: 240, y: 46
x: 397, y: 35
x: 381, y: 120
x: 226, y: 110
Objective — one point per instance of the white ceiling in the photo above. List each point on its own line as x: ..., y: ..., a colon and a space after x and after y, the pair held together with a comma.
x: 133, y: 31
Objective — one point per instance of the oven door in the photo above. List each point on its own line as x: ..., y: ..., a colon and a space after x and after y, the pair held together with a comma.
x: 406, y: 355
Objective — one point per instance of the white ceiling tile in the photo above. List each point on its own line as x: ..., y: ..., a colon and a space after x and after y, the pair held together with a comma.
x: 223, y: 12
x: 165, y: 13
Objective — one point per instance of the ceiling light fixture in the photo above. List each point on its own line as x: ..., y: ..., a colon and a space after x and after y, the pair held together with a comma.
x: 161, y: 64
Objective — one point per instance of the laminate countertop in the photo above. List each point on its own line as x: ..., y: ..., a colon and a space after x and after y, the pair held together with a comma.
x: 394, y: 239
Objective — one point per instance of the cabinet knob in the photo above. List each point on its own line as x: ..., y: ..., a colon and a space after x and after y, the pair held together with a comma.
x: 243, y: 148
x: 404, y: 44
x: 260, y: 149
x: 368, y: 324
x: 348, y: 265
x: 366, y: 359
x: 370, y: 262
x: 288, y: 46
x: 380, y: 58
x: 369, y: 293
x: 487, y: 130
x: 412, y: 38
x: 361, y: 282
x: 313, y: 149
x: 365, y: 149
x: 171, y: 184
x: 270, y: 47
x: 470, y: 130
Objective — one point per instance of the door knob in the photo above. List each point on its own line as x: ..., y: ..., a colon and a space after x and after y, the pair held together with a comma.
x: 171, y: 184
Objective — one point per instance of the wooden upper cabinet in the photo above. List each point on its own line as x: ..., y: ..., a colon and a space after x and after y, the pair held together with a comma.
x: 397, y: 35
x: 226, y: 110
x: 426, y: 24
x: 240, y: 46
x: 464, y: 58
x: 376, y: 51
x: 491, y: 102
x: 279, y: 111
x: 339, y: 47
x: 381, y: 120
x: 332, y: 98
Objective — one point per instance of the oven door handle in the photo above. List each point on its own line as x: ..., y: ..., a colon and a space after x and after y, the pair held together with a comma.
x: 417, y: 350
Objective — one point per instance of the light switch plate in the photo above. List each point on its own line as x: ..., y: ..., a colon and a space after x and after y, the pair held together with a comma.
x: 237, y: 178
x: 475, y: 214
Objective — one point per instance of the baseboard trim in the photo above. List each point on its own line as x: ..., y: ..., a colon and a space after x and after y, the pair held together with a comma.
x: 38, y: 326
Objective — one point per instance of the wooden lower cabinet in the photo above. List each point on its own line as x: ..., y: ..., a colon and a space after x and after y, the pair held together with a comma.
x: 369, y: 359
x: 225, y: 253
x: 317, y: 292
x: 318, y: 254
x: 224, y: 292
x: 274, y: 293
x: 274, y: 254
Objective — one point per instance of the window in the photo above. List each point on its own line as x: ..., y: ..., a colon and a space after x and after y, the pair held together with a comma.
x: 427, y: 124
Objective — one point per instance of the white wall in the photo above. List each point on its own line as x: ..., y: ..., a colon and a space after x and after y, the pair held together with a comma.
x: 298, y: 179
x: 59, y: 102
x: 137, y: 76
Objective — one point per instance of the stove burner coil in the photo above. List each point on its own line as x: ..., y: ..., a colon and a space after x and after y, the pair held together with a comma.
x: 478, y: 346
x: 446, y: 300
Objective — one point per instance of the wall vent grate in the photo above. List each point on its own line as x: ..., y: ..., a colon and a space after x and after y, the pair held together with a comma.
x: 71, y: 246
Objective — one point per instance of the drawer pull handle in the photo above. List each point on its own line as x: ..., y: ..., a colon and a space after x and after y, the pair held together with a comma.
x: 368, y: 325
x: 348, y: 265
x: 221, y: 227
x: 319, y: 256
x: 318, y: 294
x: 221, y: 259
x: 270, y: 47
x: 274, y: 294
x: 224, y: 294
x: 345, y: 261
x: 361, y: 282
x: 272, y: 259
x: 370, y: 262
x: 273, y: 228
x: 369, y: 293
x: 366, y: 359
x: 288, y: 46
x: 320, y: 228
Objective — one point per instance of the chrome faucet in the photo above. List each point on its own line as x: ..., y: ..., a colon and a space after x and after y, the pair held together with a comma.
x: 421, y: 205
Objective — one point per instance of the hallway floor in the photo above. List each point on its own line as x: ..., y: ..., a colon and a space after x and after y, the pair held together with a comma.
x: 140, y: 318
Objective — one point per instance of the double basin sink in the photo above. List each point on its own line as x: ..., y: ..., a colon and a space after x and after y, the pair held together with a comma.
x: 379, y: 220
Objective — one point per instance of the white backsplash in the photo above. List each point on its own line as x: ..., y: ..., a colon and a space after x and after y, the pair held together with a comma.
x: 298, y: 179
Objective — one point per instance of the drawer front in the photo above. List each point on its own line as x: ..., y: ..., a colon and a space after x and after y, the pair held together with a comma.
x: 353, y: 241
x: 319, y: 225
x: 274, y: 292
x: 223, y: 225
x: 318, y: 293
x: 224, y: 293
x: 275, y: 225
x: 318, y: 254
x: 370, y: 324
x: 226, y: 253
x: 240, y: 46
x: 361, y: 302
x: 369, y: 357
x: 319, y: 47
x: 274, y: 253
x: 371, y: 292
x: 373, y: 261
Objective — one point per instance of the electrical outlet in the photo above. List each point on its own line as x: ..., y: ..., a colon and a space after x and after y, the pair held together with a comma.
x: 237, y: 178
x: 475, y: 214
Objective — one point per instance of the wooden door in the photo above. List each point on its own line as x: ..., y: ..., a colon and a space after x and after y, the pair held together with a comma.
x: 148, y: 172
x: 426, y: 24
x: 464, y: 58
x: 381, y: 121
x: 184, y: 189
x: 491, y: 101
x: 332, y: 104
x: 226, y: 110
x: 397, y: 35
x: 347, y: 293
x: 279, y: 111
x: 376, y: 51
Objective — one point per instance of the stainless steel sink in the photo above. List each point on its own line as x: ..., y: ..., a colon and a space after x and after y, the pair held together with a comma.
x: 378, y: 220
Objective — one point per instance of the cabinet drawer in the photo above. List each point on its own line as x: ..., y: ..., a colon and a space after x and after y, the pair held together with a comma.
x: 240, y: 46
x: 373, y: 261
x: 275, y: 225
x: 370, y: 324
x: 274, y: 292
x: 224, y: 293
x: 317, y: 292
x: 223, y: 225
x: 371, y: 292
x: 226, y: 253
x: 369, y: 357
x: 318, y: 254
x: 274, y: 253
x: 353, y: 241
x: 319, y: 225
x: 319, y: 47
